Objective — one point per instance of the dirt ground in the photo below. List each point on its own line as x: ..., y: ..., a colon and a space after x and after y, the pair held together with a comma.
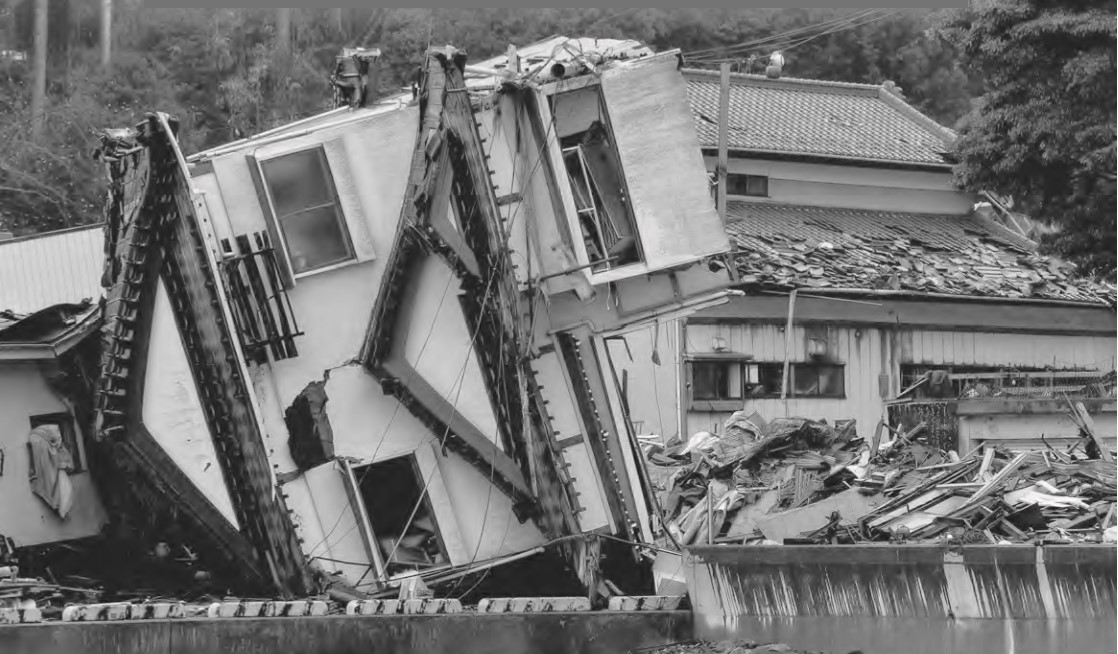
x: 730, y: 647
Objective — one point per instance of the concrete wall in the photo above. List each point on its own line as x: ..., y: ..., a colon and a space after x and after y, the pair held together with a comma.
x: 539, y: 633
x: 24, y: 517
x: 880, y: 598
x: 853, y: 187
x: 870, y: 353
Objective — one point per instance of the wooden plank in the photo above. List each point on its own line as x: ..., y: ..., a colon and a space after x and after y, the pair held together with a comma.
x: 651, y: 123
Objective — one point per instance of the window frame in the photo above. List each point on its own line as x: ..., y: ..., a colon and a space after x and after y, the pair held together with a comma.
x: 745, y: 179
x: 721, y: 405
x: 275, y: 221
x: 565, y: 184
x: 71, y: 436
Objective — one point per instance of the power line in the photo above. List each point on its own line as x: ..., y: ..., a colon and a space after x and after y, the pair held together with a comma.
x: 699, y: 54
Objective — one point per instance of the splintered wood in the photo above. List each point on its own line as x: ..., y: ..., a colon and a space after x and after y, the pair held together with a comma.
x: 798, y: 481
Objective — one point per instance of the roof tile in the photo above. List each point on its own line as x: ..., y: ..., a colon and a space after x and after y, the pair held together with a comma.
x: 824, y: 247
x: 809, y: 117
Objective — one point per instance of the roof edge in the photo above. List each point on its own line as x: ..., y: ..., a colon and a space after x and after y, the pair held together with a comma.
x: 895, y: 100
x: 56, y: 232
x: 796, y: 83
x: 957, y: 297
x: 868, y: 162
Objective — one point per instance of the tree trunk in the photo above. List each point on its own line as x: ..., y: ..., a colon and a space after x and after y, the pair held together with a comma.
x: 106, y: 33
x: 283, y: 32
x: 39, y: 84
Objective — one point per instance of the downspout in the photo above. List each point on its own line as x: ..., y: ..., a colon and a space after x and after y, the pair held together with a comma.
x: 680, y: 349
x: 787, y: 349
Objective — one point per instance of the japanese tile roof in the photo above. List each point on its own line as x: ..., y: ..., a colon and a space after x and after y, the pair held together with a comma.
x: 816, y: 118
x: 788, y: 246
x: 42, y: 270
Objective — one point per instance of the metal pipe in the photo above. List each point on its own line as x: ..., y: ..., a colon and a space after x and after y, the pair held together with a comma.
x: 787, y: 349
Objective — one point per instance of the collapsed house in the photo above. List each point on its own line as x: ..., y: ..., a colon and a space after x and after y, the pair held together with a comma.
x: 48, y: 326
x: 372, y: 344
x: 872, y: 288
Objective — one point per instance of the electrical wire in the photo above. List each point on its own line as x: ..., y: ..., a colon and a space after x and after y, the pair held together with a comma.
x: 776, y: 38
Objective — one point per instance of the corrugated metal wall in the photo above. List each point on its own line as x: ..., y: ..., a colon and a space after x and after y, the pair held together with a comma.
x: 987, y: 349
x: 870, y: 353
x: 863, y: 352
x: 42, y: 270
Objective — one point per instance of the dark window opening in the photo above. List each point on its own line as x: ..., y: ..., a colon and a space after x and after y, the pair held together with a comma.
x: 306, y: 207
x: 749, y: 185
x: 64, y: 423
x: 736, y: 380
x: 596, y: 179
x: 392, y: 490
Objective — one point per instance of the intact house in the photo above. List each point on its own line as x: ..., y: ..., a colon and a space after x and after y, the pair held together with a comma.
x: 374, y: 343
x: 866, y: 273
x: 48, y: 323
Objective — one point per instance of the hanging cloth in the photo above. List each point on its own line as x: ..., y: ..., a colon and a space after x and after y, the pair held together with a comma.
x: 50, y: 468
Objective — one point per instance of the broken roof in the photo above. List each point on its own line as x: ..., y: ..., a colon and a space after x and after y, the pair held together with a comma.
x: 41, y: 270
x: 789, y: 116
x: 48, y: 332
x: 787, y: 246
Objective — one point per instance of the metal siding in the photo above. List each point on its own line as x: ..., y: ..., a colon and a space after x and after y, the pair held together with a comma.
x: 62, y: 267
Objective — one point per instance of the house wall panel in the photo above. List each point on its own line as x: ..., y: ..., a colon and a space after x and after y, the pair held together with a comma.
x: 875, y: 353
x: 24, y: 517
x: 652, y: 123
x: 854, y: 187
x: 172, y: 410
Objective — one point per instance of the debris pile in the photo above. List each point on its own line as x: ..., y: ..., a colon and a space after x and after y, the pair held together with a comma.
x: 799, y: 481
x: 726, y: 647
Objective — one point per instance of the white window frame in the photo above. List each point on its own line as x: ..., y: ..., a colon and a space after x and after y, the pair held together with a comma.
x: 555, y: 152
x: 275, y: 226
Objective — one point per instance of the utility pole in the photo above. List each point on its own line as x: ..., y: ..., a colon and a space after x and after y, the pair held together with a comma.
x: 723, y: 138
x: 39, y: 84
x: 106, y: 33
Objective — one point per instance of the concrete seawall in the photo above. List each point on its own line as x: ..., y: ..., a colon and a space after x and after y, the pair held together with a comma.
x: 884, y: 599
x: 605, y: 632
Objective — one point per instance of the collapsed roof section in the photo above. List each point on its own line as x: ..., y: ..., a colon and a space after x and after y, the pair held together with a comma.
x: 823, y: 247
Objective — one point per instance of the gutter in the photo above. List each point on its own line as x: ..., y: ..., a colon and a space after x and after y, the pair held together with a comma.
x: 961, y: 298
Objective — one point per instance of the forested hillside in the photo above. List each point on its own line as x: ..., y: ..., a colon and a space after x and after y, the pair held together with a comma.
x: 226, y: 72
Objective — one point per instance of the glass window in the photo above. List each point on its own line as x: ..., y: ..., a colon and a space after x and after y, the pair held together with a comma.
x: 306, y: 207
x: 716, y: 380
x: 750, y: 185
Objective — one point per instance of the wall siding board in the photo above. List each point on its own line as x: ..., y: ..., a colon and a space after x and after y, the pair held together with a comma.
x: 883, y: 352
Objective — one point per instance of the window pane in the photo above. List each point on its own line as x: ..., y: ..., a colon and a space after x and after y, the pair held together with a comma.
x: 756, y: 185
x: 805, y: 380
x: 831, y: 380
x: 297, y: 181
x: 315, y: 238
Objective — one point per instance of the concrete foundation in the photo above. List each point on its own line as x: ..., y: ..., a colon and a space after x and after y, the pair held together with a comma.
x: 605, y: 632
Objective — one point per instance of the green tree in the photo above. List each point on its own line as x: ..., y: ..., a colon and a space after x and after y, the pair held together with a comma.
x: 1043, y: 130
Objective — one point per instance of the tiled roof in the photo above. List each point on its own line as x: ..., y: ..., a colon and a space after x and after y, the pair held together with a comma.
x: 821, y: 247
x: 811, y: 117
x: 60, y: 267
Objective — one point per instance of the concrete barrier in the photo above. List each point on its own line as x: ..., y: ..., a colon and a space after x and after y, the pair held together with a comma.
x: 1017, y: 599
x: 598, y: 632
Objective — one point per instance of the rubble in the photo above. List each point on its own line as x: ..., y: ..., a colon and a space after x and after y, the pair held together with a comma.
x: 799, y: 481
x: 726, y: 647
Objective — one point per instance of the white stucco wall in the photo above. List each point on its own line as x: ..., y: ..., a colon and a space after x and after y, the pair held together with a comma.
x: 440, y: 347
x: 24, y: 517
x: 852, y: 187
x: 332, y: 309
x: 172, y: 411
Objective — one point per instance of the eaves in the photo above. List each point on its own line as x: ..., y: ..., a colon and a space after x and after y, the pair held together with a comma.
x: 859, y: 162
